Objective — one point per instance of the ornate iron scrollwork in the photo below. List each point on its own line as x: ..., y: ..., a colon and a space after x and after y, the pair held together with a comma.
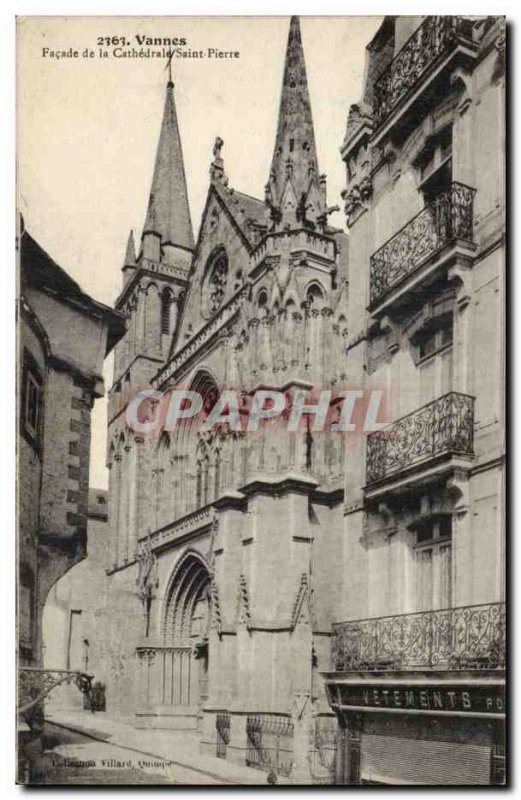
x: 270, y: 743
x: 470, y: 637
x: 35, y: 684
x: 443, y: 426
x: 435, y: 37
x: 449, y: 217
x: 222, y: 727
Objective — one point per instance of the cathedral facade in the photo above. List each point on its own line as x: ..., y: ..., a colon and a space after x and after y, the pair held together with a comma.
x: 222, y: 541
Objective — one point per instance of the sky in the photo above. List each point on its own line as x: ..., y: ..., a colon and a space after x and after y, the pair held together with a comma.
x: 87, y: 129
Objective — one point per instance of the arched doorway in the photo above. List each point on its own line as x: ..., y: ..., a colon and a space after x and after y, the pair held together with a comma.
x: 185, y: 634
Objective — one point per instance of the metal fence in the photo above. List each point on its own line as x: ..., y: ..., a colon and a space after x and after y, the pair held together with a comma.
x: 222, y: 727
x: 270, y: 743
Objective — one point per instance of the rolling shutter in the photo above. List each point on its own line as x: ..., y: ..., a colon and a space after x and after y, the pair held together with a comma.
x: 396, y: 760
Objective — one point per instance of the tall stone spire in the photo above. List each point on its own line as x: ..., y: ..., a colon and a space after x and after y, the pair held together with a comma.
x: 295, y: 194
x: 168, y: 213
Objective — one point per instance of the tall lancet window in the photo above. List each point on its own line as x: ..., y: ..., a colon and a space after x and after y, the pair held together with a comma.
x: 166, y: 305
x: 217, y: 475
x: 315, y: 305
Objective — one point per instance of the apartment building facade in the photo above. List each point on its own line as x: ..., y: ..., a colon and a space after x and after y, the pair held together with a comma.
x: 418, y: 639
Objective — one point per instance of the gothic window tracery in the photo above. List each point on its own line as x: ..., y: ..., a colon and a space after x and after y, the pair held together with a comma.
x: 214, y: 289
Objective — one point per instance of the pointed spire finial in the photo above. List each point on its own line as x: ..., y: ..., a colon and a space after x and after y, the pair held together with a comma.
x: 129, y: 262
x: 130, y: 252
x: 295, y: 141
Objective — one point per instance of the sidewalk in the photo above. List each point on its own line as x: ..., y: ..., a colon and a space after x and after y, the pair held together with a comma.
x: 179, y: 747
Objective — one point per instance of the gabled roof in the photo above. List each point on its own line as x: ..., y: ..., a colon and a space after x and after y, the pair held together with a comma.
x: 40, y: 271
x: 247, y: 212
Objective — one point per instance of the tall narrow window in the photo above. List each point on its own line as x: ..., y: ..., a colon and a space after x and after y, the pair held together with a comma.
x: 31, y: 406
x: 199, y: 485
x: 436, y: 166
x: 166, y: 302
x: 433, y: 356
x: 206, y: 480
x: 75, y: 641
x: 308, y: 445
x: 433, y: 555
x: 217, y: 482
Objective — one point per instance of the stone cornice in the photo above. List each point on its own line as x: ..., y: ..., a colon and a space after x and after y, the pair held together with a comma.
x: 152, y: 269
x: 198, y: 521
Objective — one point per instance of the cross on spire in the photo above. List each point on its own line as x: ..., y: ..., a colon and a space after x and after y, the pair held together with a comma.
x: 170, y: 83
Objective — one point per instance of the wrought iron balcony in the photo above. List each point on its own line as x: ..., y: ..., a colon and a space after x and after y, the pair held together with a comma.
x: 470, y: 637
x: 443, y: 427
x: 420, y: 55
x: 445, y: 220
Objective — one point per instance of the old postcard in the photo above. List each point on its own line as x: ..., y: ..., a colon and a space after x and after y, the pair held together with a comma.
x: 261, y: 411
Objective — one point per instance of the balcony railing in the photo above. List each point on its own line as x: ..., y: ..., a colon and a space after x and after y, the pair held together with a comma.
x: 470, y: 637
x: 444, y: 426
x: 448, y: 218
x: 434, y: 39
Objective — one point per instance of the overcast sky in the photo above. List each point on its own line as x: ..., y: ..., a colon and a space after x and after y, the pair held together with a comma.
x: 88, y: 128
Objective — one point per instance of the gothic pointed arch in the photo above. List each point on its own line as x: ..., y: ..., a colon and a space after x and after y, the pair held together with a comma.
x: 167, y: 300
x: 186, y: 614
x: 316, y: 295
x: 215, y: 281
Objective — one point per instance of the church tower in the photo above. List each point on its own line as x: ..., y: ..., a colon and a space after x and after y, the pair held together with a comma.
x: 154, y: 286
x: 306, y: 256
x: 155, y: 280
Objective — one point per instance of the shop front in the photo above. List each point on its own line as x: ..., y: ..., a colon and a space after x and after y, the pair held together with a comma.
x: 420, y: 698
x: 417, y: 729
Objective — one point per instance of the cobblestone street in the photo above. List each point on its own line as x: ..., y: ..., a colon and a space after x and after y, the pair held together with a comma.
x: 69, y: 757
